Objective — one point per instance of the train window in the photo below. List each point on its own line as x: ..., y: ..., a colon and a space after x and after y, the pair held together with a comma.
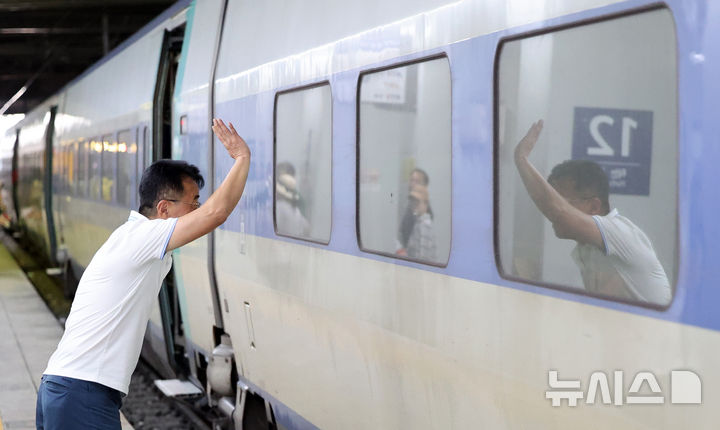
x: 586, y: 198
x: 404, y: 147
x: 83, y: 150
x: 140, y: 157
x: 58, y: 168
x: 71, y: 155
x: 62, y: 168
x: 109, y: 158
x: 303, y: 160
x: 94, y: 157
x: 126, y: 151
x: 67, y: 167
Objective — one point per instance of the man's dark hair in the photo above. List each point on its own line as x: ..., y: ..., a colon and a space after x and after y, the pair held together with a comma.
x: 426, y: 178
x: 587, y: 176
x: 164, y: 178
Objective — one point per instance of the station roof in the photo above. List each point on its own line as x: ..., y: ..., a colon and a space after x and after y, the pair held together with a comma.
x: 44, y: 44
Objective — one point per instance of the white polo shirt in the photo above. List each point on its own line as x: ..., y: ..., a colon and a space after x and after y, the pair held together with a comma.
x: 105, y: 329
x: 628, y: 267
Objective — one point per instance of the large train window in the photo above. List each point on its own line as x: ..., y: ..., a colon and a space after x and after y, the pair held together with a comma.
x: 127, y: 157
x: 586, y: 150
x: 303, y: 160
x: 404, y: 145
x: 94, y: 172
x: 109, y: 148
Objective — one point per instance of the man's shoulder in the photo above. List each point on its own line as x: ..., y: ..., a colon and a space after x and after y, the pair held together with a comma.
x: 140, y: 229
x: 616, y: 221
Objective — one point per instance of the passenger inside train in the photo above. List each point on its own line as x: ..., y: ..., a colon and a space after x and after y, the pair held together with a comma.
x: 289, y: 206
x: 615, y: 257
x: 416, y: 235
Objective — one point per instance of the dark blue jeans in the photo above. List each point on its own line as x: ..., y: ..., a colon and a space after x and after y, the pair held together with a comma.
x: 69, y: 404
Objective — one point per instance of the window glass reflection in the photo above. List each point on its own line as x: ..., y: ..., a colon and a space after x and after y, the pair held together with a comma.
x: 587, y: 155
x: 303, y: 174
x: 405, y: 153
x: 125, y: 169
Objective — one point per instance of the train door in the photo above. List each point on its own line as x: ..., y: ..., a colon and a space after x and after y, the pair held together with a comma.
x: 164, y: 89
x: 15, y: 176
x: 48, y: 187
x: 159, y: 146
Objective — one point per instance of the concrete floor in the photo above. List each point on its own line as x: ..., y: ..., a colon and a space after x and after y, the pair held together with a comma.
x: 29, y: 333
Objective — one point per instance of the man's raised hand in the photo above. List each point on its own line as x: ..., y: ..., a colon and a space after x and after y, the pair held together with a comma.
x: 527, y: 143
x: 230, y: 138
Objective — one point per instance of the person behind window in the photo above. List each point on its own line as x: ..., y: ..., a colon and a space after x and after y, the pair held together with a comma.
x: 416, y: 235
x: 288, y: 206
x: 614, y: 256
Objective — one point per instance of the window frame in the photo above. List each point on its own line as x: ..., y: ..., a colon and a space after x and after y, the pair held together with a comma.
x: 424, y: 59
x: 496, y: 156
x: 275, y: 161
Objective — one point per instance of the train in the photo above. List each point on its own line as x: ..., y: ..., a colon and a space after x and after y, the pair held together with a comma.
x: 386, y: 267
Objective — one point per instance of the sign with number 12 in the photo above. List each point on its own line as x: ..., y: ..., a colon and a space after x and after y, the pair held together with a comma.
x: 620, y: 141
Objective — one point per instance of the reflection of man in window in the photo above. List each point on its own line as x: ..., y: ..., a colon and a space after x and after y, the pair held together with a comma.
x: 615, y: 257
x: 417, y: 238
x: 290, y: 219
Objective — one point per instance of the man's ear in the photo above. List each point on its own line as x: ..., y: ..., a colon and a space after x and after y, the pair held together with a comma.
x: 162, y: 209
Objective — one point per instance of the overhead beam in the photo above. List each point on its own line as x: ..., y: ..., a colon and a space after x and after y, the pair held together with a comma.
x: 40, y: 49
x: 45, y: 76
x: 70, y: 30
x: 35, y: 5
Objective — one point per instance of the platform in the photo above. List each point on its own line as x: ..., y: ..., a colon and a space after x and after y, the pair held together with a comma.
x: 29, y: 333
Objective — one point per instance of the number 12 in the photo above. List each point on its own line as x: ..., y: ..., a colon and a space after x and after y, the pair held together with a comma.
x: 603, y: 148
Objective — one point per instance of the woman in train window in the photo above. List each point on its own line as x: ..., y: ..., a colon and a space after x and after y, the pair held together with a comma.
x: 417, y: 236
x: 614, y: 256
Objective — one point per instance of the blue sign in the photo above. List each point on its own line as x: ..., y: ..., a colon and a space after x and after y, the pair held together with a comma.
x: 620, y: 141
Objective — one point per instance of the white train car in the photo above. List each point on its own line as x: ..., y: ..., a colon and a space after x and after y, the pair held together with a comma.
x: 328, y: 321
x: 332, y: 313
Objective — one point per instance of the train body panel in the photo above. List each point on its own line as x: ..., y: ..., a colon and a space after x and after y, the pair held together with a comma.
x: 192, y: 98
x: 359, y: 343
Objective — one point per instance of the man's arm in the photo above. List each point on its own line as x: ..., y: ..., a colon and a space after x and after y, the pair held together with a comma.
x: 568, y: 221
x: 221, y: 203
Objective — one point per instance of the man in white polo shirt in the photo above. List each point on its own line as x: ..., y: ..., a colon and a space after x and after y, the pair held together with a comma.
x: 614, y: 256
x: 91, y: 368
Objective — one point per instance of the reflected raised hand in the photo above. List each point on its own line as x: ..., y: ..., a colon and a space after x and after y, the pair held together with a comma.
x: 527, y: 143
